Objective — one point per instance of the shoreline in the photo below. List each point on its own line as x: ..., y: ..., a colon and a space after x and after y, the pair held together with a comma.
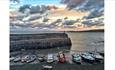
x: 55, y: 31
x: 97, y: 30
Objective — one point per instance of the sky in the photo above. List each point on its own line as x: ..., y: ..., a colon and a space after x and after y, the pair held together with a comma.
x: 15, y: 5
x: 95, y: 9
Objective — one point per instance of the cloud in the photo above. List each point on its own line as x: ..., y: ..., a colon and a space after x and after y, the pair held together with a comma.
x: 33, y: 9
x: 83, y: 4
x: 72, y: 3
x: 94, y: 14
x: 93, y: 22
x: 88, y: 22
x: 26, y: 24
x: 24, y: 8
x: 18, y: 1
x: 94, y: 7
x: 31, y: 18
x: 69, y: 22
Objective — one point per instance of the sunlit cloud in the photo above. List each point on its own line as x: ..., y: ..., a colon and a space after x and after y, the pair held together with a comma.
x: 38, y: 16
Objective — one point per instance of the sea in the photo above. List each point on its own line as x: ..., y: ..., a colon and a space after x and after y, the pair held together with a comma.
x: 87, y: 41
x: 81, y: 42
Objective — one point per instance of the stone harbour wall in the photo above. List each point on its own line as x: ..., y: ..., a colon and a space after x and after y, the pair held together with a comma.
x: 38, y: 41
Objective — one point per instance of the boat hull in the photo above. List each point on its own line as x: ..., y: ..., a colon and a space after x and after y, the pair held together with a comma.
x: 88, y: 60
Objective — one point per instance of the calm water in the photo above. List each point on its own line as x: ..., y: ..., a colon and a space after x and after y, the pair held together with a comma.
x: 81, y: 41
x: 85, y: 41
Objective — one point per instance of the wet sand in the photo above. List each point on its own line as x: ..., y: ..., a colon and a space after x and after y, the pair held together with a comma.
x: 65, y: 66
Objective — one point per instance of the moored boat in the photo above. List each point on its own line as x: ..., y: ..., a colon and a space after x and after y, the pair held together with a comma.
x: 41, y: 58
x: 61, y: 57
x: 11, y: 59
x: 50, y: 58
x: 31, y: 59
x: 97, y: 56
x: 87, y: 58
x: 47, y: 67
x: 17, y: 59
x: 28, y: 58
x: 101, y: 53
x: 76, y: 58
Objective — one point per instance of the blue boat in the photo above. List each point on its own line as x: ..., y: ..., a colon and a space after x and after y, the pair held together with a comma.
x: 97, y: 56
x: 77, y: 58
x: 87, y: 58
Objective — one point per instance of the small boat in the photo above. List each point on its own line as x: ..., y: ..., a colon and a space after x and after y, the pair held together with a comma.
x: 28, y: 58
x: 11, y: 59
x: 87, y: 58
x: 55, y: 58
x: 41, y: 58
x: 31, y: 59
x: 24, y: 58
x: 76, y: 58
x: 61, y: 57
x: 17, y: 59
x: 101, y: 53
x: 97, y: 56
x: 50, y: 58
x: 47, y: 67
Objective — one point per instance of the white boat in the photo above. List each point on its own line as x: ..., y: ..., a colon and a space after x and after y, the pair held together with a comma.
x: 41, y: 58
x: 50, y: 58
x: 17, y: 59
x: 28, y: 58
x: 88, y: 58
x: 47, y: 67
x: 12, y: 58
x: 31, y: 59
x: 24, y: 58
x: 97, y: 56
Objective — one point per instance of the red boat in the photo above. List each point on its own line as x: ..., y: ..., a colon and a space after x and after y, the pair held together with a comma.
x: 61, y: 57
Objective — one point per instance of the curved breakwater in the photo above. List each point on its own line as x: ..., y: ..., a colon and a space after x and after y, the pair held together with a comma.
x: 38, y: 41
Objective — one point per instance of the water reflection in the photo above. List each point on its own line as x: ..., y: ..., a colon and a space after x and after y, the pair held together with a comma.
x: 85, y: 41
